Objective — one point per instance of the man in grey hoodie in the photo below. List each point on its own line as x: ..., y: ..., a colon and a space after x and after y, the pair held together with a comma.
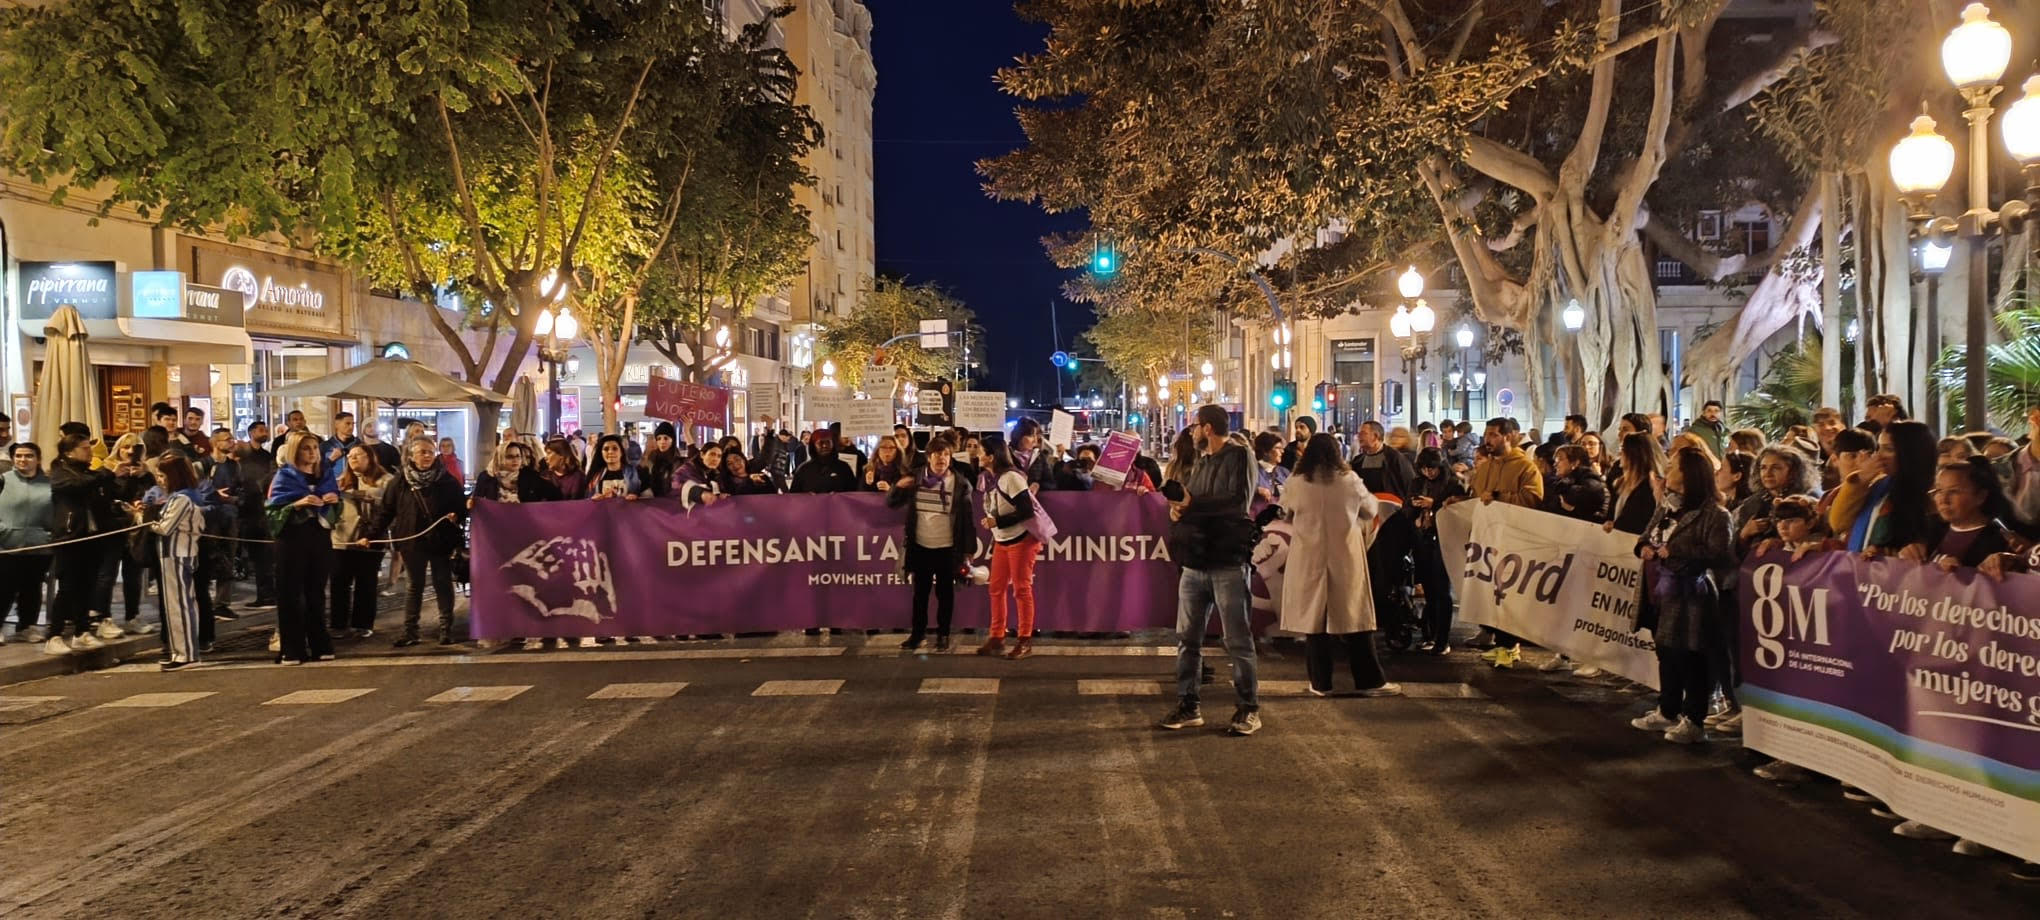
x: 24, y: 522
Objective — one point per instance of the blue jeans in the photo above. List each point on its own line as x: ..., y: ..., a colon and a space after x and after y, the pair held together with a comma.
x: 1197, y: 591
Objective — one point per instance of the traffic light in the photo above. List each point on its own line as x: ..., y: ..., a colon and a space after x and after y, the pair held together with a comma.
x: 1317, y: 398
x: 1104, y: 259
x: 1283, y: 397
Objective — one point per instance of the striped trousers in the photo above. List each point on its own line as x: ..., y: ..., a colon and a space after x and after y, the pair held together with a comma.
x: 181, y: 607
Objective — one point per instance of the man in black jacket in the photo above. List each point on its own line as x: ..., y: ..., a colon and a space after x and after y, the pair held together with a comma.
x: 1216, y: 543
x: 81, y: 505
x: 1579, y: 491
x: 824, y: 472
x: 256, y: 467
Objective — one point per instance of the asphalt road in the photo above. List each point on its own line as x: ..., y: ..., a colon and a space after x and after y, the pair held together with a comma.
x: 671, y: 781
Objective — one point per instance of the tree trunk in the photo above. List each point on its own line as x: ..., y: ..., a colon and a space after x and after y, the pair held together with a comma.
x: 1831, y: 289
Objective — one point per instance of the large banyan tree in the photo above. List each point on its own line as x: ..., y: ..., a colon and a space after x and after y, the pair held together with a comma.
x: 1554, y: 149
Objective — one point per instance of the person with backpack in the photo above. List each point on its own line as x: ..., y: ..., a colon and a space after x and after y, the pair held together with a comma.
x: 940, y: 537
x: 1010, y: 506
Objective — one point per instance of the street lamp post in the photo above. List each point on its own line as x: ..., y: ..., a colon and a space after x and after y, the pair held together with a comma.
x: 1463, y: 337
x: 1974, y: 56
x: 556, y: 335
x: 1412, y: 331
x: 1575, y: 316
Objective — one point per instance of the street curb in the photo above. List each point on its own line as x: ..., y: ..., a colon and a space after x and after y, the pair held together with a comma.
x: 119, y: 650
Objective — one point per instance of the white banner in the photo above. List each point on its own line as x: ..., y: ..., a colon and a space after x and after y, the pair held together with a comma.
x: 762, y: 399
x: 1556, y: 582
x: 1062, y: 428
x: 981, y: 410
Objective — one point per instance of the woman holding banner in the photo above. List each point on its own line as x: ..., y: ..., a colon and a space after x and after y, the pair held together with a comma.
x: 1687, y: 551
x: 1009, y: 511
x: 940, y: 538
x: 1326, y: 593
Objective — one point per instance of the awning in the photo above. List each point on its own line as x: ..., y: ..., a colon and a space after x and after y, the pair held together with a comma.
x: 187, y: 342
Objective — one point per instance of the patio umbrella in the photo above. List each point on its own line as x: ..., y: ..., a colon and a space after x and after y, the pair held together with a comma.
x: 392, y: 380
x: 524, y: 406
x: 68, y: 390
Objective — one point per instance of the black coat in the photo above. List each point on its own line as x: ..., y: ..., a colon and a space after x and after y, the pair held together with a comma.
x: 824, y: 474
x: 81, y: 500
x: 531, y: 487
x: 406, y: 510
x: 963, y: 530
x: 1584, y: 491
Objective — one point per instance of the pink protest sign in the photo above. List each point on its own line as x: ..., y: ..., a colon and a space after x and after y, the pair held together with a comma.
x: 1115, y: 458
x: 692, y: 403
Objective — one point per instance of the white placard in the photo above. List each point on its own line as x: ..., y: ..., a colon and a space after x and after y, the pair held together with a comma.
x: 879, y: 381
x: 981, y: 410
x: 863, y: 417
x: 1062, y: 429
x: 763, y: 399
x: 823, y: 404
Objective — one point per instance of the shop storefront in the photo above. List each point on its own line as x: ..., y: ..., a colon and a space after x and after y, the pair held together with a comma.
x: 297, y: 315
x: 145, y: 327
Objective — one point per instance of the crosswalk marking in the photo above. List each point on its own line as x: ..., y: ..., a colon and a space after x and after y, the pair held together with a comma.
x: 12, y: 703
x: 972, y: 685
x: 479, y: 694
x: 1119, y: 687
x: 1284, y: 687
x: 798, y: 688
x: 155, y: 700
x: 318, y: 697
x: 1442, y: 691
x: 652, y: 691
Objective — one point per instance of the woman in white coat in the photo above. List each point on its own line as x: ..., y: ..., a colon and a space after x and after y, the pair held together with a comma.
x: 1325, y: 590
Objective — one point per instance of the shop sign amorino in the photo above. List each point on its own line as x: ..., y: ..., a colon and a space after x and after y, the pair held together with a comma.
x: 279, y: 294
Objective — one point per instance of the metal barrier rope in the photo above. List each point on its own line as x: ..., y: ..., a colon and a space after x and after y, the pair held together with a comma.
x: 43, y: 546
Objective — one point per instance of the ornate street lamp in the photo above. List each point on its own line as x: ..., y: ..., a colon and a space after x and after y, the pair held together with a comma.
x: 1974, y: 56
x: 556, y: 329
x: 1574, y: 316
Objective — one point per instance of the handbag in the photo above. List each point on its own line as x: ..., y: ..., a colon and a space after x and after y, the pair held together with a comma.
x: 1039, y: 524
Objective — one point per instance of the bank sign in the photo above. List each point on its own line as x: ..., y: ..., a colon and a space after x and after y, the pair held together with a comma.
x: 42, y: 287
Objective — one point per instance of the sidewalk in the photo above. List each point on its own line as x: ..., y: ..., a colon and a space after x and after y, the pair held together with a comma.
x: 240, y: 639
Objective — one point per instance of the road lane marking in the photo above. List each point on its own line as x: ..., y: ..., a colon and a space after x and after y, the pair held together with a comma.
x: 13, y: 703
x: 968, y: 685
x: 652, y: 691
x: 1119, y: 688
x: 518, y: 657
x: 491, y: 694
x: 798, y: 688
x: 1283, y: 687
x: 155, y: 700
x: 1442, y: 691
x: 318, y: 697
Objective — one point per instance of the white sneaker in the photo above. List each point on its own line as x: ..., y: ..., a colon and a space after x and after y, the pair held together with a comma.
x: 1557, y: 663
x: 588, y: 642
x: 56, y: 646
x: 1779, y: 771
x: 108, y: 629
x: 1966, y: 847
x: 275, y: 642
x: 1917, y: 831
x: 86, y: 643
x: 534, y: 645
x: 646, y: 640
x: 1588, y: 672
x: 143, y: 629
x: 1731, y: 725
x: 1686, y: 732
x: 1652, y: 721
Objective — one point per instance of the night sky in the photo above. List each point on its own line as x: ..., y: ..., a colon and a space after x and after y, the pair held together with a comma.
x: 937, y: 112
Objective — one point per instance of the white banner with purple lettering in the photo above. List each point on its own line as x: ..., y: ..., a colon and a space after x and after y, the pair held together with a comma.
x: 1556, y: 582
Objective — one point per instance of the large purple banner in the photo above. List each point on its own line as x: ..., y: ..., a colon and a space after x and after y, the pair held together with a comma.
x: 764, y: 563
x: 1918, y: 685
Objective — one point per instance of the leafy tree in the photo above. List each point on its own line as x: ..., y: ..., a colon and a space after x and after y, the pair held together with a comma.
x: 743, y: 235
x: 1333, y: 141
x: 434, y: 145
x: 891, y: 307
x: 1791, y: 389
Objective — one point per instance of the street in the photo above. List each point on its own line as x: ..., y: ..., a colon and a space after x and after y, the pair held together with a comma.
x: 833, y: 777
